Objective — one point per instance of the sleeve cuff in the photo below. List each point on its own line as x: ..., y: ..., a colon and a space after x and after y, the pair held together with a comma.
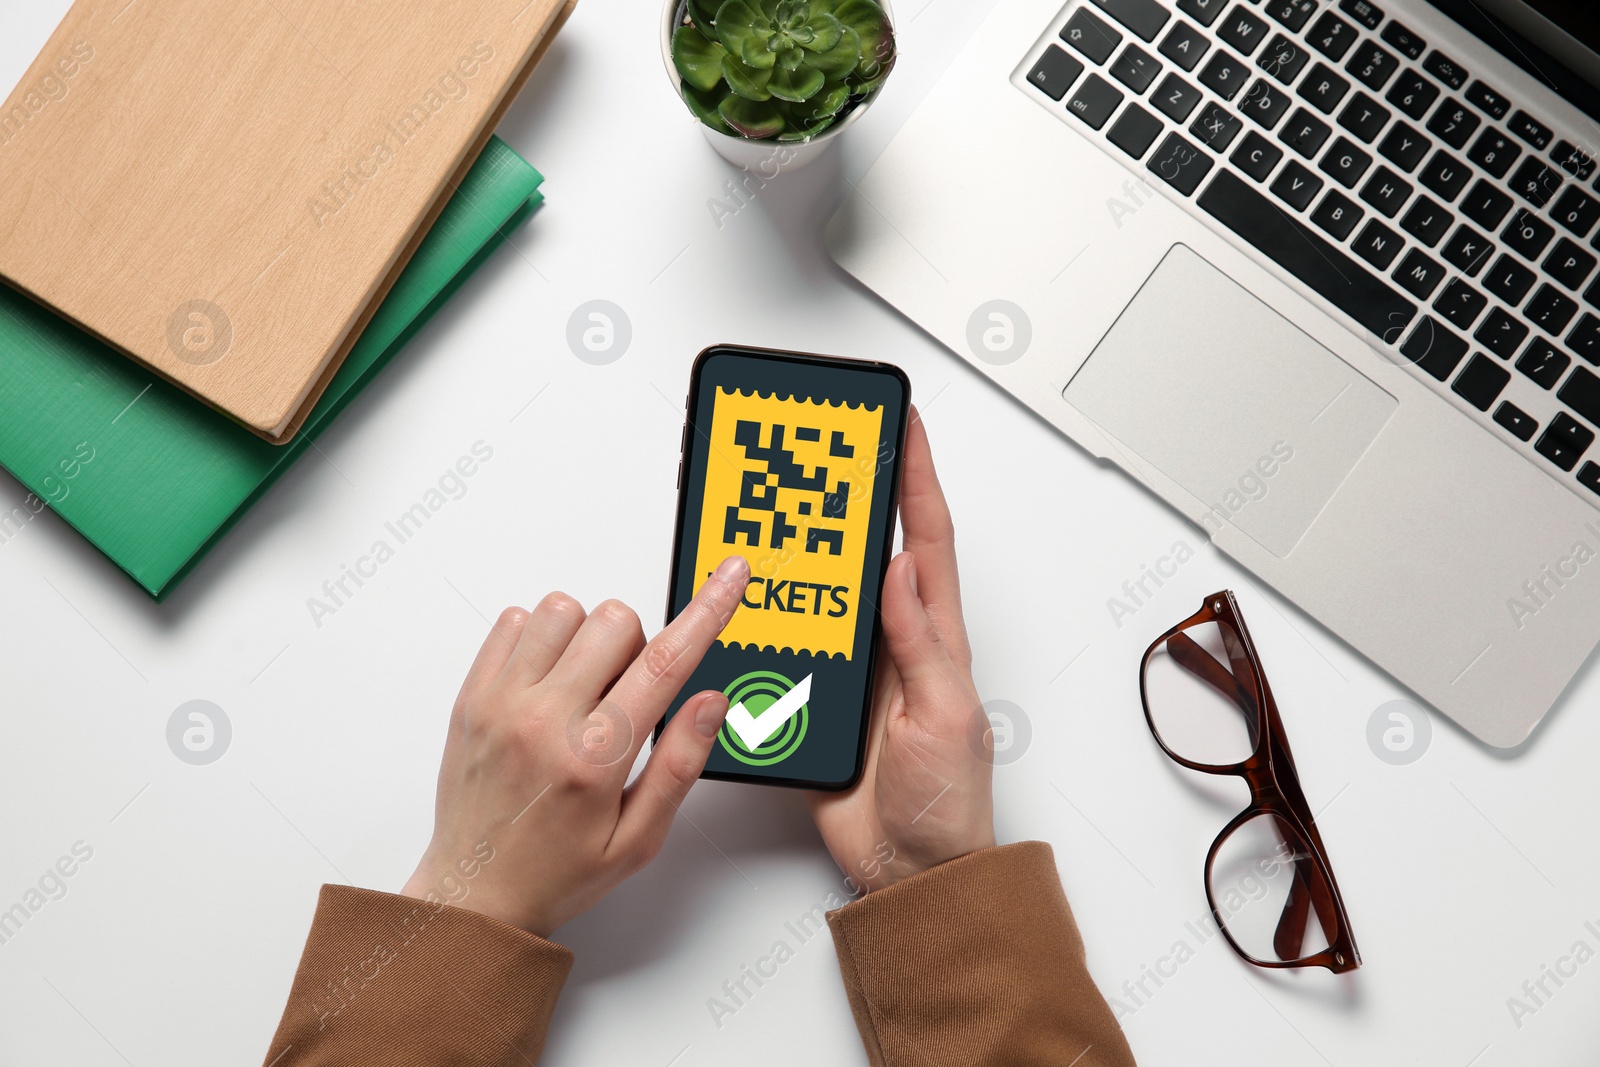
x: 977, y: 960
x: 396, y: 980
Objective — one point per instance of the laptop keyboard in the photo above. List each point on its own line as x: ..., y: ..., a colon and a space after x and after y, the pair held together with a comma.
x: 1419, y: 200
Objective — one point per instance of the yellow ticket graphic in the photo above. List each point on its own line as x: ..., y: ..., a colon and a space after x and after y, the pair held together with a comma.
x: 789, y: 486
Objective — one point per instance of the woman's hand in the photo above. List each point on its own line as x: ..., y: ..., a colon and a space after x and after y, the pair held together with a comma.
x: 925, y: 795
x: 532, y: 824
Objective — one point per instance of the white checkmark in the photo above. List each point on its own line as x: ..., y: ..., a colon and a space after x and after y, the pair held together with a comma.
x: 754, y: 731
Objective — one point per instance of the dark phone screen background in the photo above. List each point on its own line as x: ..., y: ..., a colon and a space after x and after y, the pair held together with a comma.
x: 840, y: 688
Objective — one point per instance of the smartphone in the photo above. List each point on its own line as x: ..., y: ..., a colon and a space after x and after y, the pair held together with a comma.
x: 792, y: 461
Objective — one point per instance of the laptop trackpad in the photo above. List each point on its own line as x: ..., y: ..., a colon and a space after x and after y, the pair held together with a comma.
x: 1229, y: 399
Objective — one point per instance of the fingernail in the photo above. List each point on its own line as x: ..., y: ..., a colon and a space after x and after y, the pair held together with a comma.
x: 709, y: 716
x: 735, y: 570
x: 911, y: 575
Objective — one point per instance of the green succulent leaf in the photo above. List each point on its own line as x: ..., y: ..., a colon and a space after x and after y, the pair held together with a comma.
x: 827, y: 104
x: 750, y: 118
x: 736, y: 21
x: 703, y: 13
x: 703, y: 105
x: 756, y: 53
x: 841, y: 60
x: 748, y: 82
x: 698, y: 60
x: 877, y: 36
x: 825, y: 32
x: 797, y: 85
x: 791, y: 58
x: 804, y: 121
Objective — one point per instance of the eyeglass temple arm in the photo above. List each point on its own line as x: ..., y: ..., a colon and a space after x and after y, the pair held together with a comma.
x: 1200, y: 663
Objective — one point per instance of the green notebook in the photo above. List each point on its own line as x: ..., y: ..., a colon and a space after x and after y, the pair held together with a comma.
x: 166, y: 476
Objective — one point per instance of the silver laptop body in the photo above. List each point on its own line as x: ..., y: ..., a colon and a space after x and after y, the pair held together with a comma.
x: 1374, y: 441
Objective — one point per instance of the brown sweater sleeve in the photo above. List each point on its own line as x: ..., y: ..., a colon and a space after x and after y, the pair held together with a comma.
x: 976, y: 961
x: 396, y: 981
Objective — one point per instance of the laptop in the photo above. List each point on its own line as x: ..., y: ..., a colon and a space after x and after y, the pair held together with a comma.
x: 1321, y: 274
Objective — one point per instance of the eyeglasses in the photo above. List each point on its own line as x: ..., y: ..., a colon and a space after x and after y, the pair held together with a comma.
x: 1208, y: 704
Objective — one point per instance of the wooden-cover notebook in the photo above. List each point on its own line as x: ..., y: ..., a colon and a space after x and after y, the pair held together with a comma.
x: 225, y: 191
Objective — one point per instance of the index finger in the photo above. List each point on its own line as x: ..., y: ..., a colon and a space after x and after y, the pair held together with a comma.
x: 929, y: 535
x: 660, y: 671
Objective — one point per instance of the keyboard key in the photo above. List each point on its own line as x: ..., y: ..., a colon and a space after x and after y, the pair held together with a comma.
x: 1304, y: 133
x: 1180, y: 164
x: 1527, y: 233
x: 1445, y: 175
x: 1513, y: 418
x: 1091, y: 35
x: 1576, y: 210
x: 1494, y: 152
x: 1296, y: 186
x: 1256, y: 156
x: 1184, y: 45
x: 1264, y: 104
x: 1224, y: 75
x: 1592, y: 294
x: 1508, y: 280
x: 1385, y: 191
x: 1204, y: 12
x: 1489, y: 101
x: 1134, y: 131
x: 1216, y: 127
x: 1467, y: 250
x: 1135, y: 68
x: 1461, y: 304
x: 1363, y: 12
x: 1568, y: 264
x: 1419, y: 275
x: 1372, y: 66
x: 1323, y: 89
x: 1404, y: 146
x: 1345, y: 163
x: 1412, y: 93
x: 1337, y: 214
x: 1531, y: 130
x: 1377, y: 244
x: 1143, y: 17
x: 1364, y: 117
x: 1481, y: 382
x: 1589, y: 476
x: 1283, y: 59
x: 1572, y: 159
x: 1094, y: 101
x: 1564, y: 440
x: 1584, y: 340
x: 1403, y: 40
x: 1291, y: 14
x: 1304, y: 253
x: 1175, y: 98
x: 1535, y: 182
x: 1550, y: 309
x: 1445, y: 69
x: 1242, y: 30
x: 1332, y: 36
x: 1055, y: 72
x: 1485, y: 205
x: 1581, y: 393
x: 1426, y: 221
x: 1543, y: 363
x: 1453, y: 123
x: 1433, y: 348
x: 1501, y: 333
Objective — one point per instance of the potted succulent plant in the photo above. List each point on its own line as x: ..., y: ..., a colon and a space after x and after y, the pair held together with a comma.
x: 777, y: 77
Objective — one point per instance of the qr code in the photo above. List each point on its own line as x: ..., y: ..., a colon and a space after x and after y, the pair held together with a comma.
x: 760, y: 519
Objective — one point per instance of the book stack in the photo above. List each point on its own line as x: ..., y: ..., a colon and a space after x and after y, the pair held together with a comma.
x: 222, y: 221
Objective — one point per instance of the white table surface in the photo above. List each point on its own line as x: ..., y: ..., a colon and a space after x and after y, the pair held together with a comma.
x: 1466, y: 873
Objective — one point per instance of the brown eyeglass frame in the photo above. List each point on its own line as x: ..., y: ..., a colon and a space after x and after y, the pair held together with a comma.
x: 1270, y: 773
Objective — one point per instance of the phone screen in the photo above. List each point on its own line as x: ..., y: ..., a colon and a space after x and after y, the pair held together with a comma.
x: 793, y: 462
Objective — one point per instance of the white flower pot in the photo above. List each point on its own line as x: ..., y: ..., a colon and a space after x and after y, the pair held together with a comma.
x: 770, y: 156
